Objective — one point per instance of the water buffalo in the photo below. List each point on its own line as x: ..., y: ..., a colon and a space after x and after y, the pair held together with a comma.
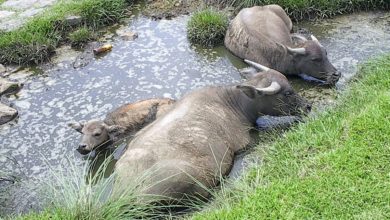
x: 123, y: 121
x: 262, y: 34
x: 189, y: 149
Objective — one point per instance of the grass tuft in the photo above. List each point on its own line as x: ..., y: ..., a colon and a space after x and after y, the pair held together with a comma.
x: 309, y: 9
x: 335, y: 166
x: 74, y: 192
x: 207, y: 27
x: 36, y: 41
x: 81, y: 36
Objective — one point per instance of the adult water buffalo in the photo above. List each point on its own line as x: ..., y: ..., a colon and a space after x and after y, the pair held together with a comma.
x: 190, y: 148
x: 123, y: 121
x: 262, y: 34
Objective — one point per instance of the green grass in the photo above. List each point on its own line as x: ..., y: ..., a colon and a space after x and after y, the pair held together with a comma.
x: 74, y: 192
x: 304, y: 9
x: 335, y: 166
x: 36, y: 41
x: 207, y: 27
x: 81, y: 36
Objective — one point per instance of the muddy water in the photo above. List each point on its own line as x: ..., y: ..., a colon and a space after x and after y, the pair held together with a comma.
x: 160, y: 63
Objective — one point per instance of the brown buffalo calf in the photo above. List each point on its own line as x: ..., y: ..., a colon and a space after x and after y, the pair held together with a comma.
x: 123, y: 121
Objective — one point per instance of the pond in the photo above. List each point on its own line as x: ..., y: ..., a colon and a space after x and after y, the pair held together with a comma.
x: 159, y: 63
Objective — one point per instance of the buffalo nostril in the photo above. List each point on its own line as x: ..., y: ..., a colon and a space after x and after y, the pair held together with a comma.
x: 82, y: 146
x: 337, y: 74
x: 82, y: 149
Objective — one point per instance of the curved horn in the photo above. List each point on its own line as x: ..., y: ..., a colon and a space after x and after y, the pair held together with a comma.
x: 313, y: 38
x: 301, y: 51
x: 256, y: 65
x: 270, y: 90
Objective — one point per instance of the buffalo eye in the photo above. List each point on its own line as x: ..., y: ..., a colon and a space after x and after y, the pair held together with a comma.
x: 288, y: 93
x: 96, y: 134
x: 316, y: 59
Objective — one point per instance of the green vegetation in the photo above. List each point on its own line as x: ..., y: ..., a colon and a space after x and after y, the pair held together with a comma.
x: 304, y: 9
x: 81, y: 36
x: 335, y: 166
x: 36, y: 41
x: 207, y: 27
x: 84, y: 193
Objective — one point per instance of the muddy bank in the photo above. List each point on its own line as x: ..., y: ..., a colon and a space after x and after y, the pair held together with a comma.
x: 161, y: 9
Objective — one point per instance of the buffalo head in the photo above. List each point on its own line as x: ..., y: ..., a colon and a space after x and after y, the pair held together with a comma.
x: 312, y: 59
x: 272, y: 94
x: 95, y: 134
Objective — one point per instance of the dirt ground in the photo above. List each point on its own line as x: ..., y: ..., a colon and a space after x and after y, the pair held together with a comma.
x: 166, y: 9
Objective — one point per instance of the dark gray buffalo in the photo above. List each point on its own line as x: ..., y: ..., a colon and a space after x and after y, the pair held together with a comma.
x: 123, y: 121
x: 262, y: 34
x: 189, y: 149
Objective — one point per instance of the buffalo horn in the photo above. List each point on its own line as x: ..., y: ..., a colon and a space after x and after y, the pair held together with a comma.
x: 301, y: 50
x: 313, y: 38
x: 257, y: 65
x: 270, y: 90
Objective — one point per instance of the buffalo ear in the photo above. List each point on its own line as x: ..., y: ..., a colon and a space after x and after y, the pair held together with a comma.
x: 78, y: 126
x: 115, y: 131
x: 249, y: 91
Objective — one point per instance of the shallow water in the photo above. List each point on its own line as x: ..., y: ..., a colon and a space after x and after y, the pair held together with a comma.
x: 160, y: 63
x: 352, y: 39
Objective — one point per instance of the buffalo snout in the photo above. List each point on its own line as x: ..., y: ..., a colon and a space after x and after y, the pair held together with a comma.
x: 82, y: 149
x: 334, y: 78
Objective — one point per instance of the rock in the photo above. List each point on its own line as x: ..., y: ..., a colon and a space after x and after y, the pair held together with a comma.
x: 127, y: 35
x: 7, y: 113
x: 2, y: 69
x: 12, y: 23
x: 31, y: 12
x: 19, y: 74
x: 64, y: 54
x: 19, y: 5
x: 7, y: 87
x: 73, y: 20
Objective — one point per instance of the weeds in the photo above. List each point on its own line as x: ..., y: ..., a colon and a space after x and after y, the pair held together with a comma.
x: 81, y: 36
x: 308, y: 9
x: 36, y: 41
x: 74, y: 192
x: 207, y: 27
